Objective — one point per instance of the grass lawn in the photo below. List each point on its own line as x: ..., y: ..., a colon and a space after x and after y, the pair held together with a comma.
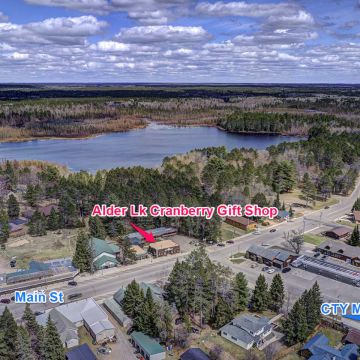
x: 237, y: 261
x: 229, y: 232
x: 346, y: 223
x: 333, y: 335
x: 320, y: 204
x: 292, y: 357
x: 237, y: 255
x: 314, y: 239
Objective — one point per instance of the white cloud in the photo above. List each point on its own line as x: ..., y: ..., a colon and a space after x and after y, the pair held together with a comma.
x: 18, y: 56
x: 110, y: 46
x: 3, y: 17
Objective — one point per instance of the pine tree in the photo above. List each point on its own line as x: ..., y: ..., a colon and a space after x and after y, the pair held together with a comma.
x: 223, y: 313
x: 283, y: 207
x: 127, y: 253
x: 9, y: 328
x: 68, y: 214
x: 13, y: 208
x: 308, y: 189
x: 96, y: 227
x: 32, y: 194
x: 82, y: 258
x: 53, y: 347
x: 241, y: 292
x: 35, y: 331
x: 145, y: 319
x: 53, y: 220
x: 291, y: 212
x: 276, y: 293
x: 295, y: 326
x: 4, y: 351
x: 312, y: 301
x: 260, y: 297
x: 164, y: 321
x: 355, y: 237
x: 4, y: 226
x: 356, y: 206
x: 37, y: 224
x: 277, y: 203
x: 133, y: 298
x: 24, y: 350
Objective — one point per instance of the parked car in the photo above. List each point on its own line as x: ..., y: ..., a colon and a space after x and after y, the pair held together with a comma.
x: 231, y: 242
x: 270, y: 271
x: 317, y: 254
x: 272, y: 230
x: 37, y: 313
x: 130, y: 330
x: 220, y: 244
x: 256, y: 232
x: 5, y: 301
x: 195, y: 330
x: 327, y: 207
x: 324, y: 257
x: 286, y: 270
x: 12, y: 263
x: 72, y: 283
x: 254, y: 265
x: 265, y: 268
x: 74, y: 296
x: 104, y: 350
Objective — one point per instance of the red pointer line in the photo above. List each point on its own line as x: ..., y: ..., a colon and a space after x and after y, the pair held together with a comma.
x: 148, y: 236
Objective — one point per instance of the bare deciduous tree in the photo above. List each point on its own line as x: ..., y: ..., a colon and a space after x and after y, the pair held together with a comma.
x: 295, y: 240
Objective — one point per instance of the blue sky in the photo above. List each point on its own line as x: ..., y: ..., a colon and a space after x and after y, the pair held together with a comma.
x: 180, y: 41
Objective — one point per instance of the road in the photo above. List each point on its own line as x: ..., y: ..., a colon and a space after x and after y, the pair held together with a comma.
x: 104, y: 284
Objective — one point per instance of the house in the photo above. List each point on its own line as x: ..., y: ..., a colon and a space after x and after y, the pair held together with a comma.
x: 247, y: 331
x: 46, y: 210
x: 66, y: 329
x: 104, y: 254
x: 356, y: 216
x: 272, y: 257
x: 82, y: 352
x: 339, y: 232
x: 352, y: 337
x: 117, y: 313
x: 194, y: 354
x: 148, y: 347
x: 283, y: 214
x: 241, y: 222
x: 85, y: 313
x: 317, y: 348
x: 340, y: 250
x: 163, y: 248
x: 139, y: 252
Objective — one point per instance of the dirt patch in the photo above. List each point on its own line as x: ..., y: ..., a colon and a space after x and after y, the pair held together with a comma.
x: 17, y: 243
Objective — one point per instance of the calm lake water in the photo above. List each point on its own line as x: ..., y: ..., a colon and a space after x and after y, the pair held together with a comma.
x: 146, y: 147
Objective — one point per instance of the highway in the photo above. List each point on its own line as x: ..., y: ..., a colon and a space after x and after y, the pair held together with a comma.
x: 104, y: 283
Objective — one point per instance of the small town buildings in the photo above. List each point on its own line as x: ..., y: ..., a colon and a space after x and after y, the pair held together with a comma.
x: 46, y: 209
x: 85, y: 313
x: 82, y: 352
x: 356, y: 216
x: 352, y: 337
x: 194, y: 354
x: 318, y: 348
x: 247, y: 331
x: 105, y: 255
x: 272, y: 257
x: 340, y: 250
x: 339, y: 232
x: 163, y: 248
x: 137, y: 239
x: 139, y: 252
x: 148, y: 347
x: 114, y: 308
x: 241, y: 222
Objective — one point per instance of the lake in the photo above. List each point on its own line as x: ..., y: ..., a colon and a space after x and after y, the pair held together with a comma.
x: 146, y: 147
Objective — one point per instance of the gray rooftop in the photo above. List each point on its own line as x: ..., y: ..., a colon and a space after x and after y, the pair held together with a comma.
x: 238, y: 333
x: 336, y: 246
x: 250, y: 323
x: 269, y: 253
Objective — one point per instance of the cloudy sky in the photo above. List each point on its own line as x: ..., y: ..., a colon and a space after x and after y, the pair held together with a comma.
x: 180, y: 41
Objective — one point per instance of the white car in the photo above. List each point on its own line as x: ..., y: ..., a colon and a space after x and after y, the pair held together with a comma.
x: 270, y: 271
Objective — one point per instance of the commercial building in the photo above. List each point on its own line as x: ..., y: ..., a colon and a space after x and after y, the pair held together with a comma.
x: 163, y: 248
x: 340, y: 232
x: 272, y: 257
x: 139, y: 252
x: 247, y: 331
x: 340, y: 250
x: 241, y: 222
x: 318, y: 348
x: 137, y: 239
x: 117, y: 313
x: 82, y: 352
x: 104, y: 254
x: 148, y: 347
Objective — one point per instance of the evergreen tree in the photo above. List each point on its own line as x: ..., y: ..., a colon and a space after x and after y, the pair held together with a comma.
x: 241, y: 292
x: 291, y: 212
x: 127, y: 253
x: 276, y: 293
x: 223, y: 313
x: 96, y: 227
x: 13, y: 208
x: 295, y: 326
x: 37, y: 224
x: 9, y: 328
x: 24, y: 350
x: 10, y: 174
x: 355, y: 237
x: 133, y: 298
x: 68, y: 214
x: 283, y: 207
x: 82, y: 258
x: 4, y: 351
x: 164, y: 322
x: 145, y: 319
x: 53, y: 220
x: 308, y: 189
x: 32, y: 194
x: 4, y: 226
x: 356, y: 206
x: 277, y: 202
x: 260, y: 199
x: 260, y: 297
x: 312, y: 301
x: 53, y: 347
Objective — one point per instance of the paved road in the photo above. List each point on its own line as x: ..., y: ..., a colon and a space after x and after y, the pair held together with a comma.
x: 103, y: 285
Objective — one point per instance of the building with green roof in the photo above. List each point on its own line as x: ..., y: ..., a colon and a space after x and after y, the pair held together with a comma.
x: 104, y: 254
x: 148, y: 347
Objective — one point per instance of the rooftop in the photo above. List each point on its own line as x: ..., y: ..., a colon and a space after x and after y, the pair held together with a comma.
x: 194, y: 354
x: 356, y: 214
x: 241, y: 220
x: 269, y: 253
x: 251, y: 323
x: 82, y: 352
x: 150, y: 346
x: 339, y: 247
x: 100, y: 246
x: 164, y: 244
x: 340, y: 231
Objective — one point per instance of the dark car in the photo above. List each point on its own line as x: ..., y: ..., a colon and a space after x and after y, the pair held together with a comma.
x: 317, y: 254
x: 327, y: 207
x: 74, y: 296
x: 72, y: 283
x: 272, y: 230
x: 131, y: 329
x: 195, y: 330
x: 221, y: 244
x: 231, y: 242
x: 5, y: 301
x: 104, y: 350
x: 37, y: 313
x: 12, y: 263
x: 265, y: 268
x: 286, y: 270
x: 324, y: 257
